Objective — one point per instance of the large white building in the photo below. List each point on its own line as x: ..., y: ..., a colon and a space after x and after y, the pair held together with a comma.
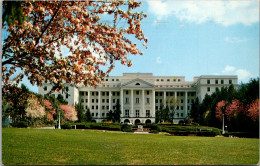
x: 140, y: 94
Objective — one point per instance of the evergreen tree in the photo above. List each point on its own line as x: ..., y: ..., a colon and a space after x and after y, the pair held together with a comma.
x: 88, y: 116
x: 80, y: 109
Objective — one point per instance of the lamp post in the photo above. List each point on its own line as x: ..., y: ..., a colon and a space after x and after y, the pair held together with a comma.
x: 59, y: 121
x: 223, y: 126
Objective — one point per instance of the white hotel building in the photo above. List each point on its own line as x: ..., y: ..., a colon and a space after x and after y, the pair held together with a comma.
x: 140, y: 94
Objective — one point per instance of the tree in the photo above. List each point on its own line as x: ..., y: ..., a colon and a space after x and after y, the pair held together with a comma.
x: 253, y: 111
x: 95, y: 33
x: 88, y: 116
x: 117, y: 112
x: 80, y: 114
x: 172, y: 104
x: 70, y: 112
x: 61, y: 99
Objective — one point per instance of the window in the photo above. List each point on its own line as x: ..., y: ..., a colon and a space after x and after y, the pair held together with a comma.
x: 106, y: 79
x: 86, y: 100
x: 160, y: 100
x: 156, y: 93
x: 107, y: 107
x: 181, y: 107
x: 114, y: 93
x: 162, y: 80
x: 117, y: 93
x: 127, y: 100
x: 113, y: 79
x: 103, y: 100
x: 67, y: 89
x: 117, y: 79
x: 93, y: 93
x: 168, y: 80
x: 114, y: 100
x: 96, y: 114
x: 107, y: 93
x: 147, y: 92
x: 167, y: 94
x: 147, y: 100
x: 174, y: 80
x: 96, y: 93
x: 216, y: 81
x: 96, y: 100
x: 178, y: 114
x: 103, y: 93
x: 147, y: 113
x: 178, y: 108
x: 127, y: 113
x: 181, y: 114
x: 179, y: 80
x: 45, y: 88
x: 208, y: 89
x: 188, y: 101
x: 181, y: 100
x: 137, y: 92
x: 86, y: 107
x: 137, y: 113
x: 107, y: 100
x: 137, y: 84
x: 208, y: 81
x: 126, y: 92
x: 96, y: 107
x: 93, y: 100
x: 230, y: 81
x: 217, y: 88
x: 157, y: 80
x: 118, y: 100
x: 161, y: 93
x: 103, y: 107
x: 82, y: 100
x: 103, y: 114
x: 93, y: 107
x: 137, y: 100
x: 157, y: 108
x: 222, y: 81
x: 92, y: 114
x: 156, y: 100
x: 82, y: 93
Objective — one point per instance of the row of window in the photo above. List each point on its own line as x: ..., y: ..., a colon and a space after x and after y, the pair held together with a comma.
x: 137, y: 113
x: 103, y: 93
x: 171, y: 93
x: 177, y: 108
x: 217, y: 81
x: 182, y: 101
x: 168, y: 80
x: 209, y: 89
x: 103, y: 100
x: 172, y: 86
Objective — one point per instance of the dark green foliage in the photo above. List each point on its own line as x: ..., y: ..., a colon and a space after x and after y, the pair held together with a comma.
x: 153, y: 126
x: 12, y: 11
x: 20, y: 124
x: 126, y: 126
x: 153, y: 131
x: 61, y: 99
x: 115, y: 115
x: 128, y: 130
x: 80, y: 114
x: 105, y: 126
x: 66, y: 126
x: 88, y: 116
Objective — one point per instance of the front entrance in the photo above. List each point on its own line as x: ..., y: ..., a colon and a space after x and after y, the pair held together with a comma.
x: 137, y: 121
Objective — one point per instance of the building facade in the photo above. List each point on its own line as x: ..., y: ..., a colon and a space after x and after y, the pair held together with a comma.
x: 141, y: 94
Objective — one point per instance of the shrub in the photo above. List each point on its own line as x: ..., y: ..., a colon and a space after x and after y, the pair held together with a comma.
x: 21, y: 124
x: 181, y: 122
x: 66, y: 126
x: 153, y: 127
x: 125, y: 126
x: 153, y: 131
x: 128, y: 130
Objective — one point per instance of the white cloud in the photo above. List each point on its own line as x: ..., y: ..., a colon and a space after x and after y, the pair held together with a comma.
x: 219, y: 11
x: 228, y: 69
x: 158, y: 60
x: 235, y: 40
x: 243, y: 75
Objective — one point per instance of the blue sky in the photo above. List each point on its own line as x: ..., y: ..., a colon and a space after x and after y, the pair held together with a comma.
x: 193, y: 38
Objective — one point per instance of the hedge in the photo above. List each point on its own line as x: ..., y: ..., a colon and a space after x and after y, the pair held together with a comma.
x: 21, y: 124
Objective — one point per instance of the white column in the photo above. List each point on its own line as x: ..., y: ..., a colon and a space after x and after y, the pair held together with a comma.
x: 185, y: 107
x: 89, y: 100
x: 132, y: 103
x: 153, y: 103
x: 122, y: 101
x: 142, y: 113
x: 175, y: 95
x: 164, y: 98
x: 99, y: 103
x: 110, y: 100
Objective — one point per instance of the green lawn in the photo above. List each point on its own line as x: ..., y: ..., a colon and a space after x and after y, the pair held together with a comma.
x: 91, y: 147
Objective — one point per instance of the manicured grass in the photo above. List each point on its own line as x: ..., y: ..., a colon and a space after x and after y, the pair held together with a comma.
x: 95, y: 147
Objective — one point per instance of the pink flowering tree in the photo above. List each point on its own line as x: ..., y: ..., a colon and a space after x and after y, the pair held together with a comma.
x: 253, y: 111
x: 70, y: 112
x: 228, y: 109
x: 50, y: 111
x: 94, y: 33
